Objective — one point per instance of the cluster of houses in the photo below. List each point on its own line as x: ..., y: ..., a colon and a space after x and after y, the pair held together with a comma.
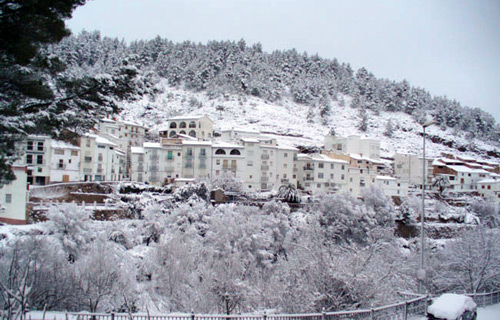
x: 188, y: 150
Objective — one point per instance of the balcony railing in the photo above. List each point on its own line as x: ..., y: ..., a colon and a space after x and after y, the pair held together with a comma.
x: 264, y: 168
x: 285, y: 180
x: 308, y: 178
x: 264, y: 157
x: 264, y: 179
x: 309, y: 168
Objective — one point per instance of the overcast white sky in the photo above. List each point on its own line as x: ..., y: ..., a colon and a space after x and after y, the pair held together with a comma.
x: 449, y: 47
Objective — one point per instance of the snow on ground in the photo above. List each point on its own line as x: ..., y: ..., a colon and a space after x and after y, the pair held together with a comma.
x: 292, y: 123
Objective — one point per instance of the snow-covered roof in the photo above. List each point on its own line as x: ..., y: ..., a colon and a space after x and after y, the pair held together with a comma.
x: 450, y: 306
x: 58, y: 144
x: 102, y: 140
x: 360, y: 157
x: 250, y: 140
x: 385, y: 178
x: 287, y: 148
x: 465, y: 169
x: 178, y: 118
x: 136, y: 149
x: 155, y: 145
x: 131, y: 123
x: 196, y: 143
x: 219, y: 144
x: 488, y: 181
x: 318, y: 157
x: 108, y: 120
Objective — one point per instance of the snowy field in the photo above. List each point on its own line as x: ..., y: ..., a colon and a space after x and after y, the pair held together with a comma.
x: 487, y: 313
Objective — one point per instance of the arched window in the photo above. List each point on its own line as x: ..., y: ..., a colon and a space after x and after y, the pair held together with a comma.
x: 172, y: 134
x: 173, y: 125
x: 182, y: 124
x: 220, y: 151
x: 235, y: 152
x: 192, y: 133
x: 192, y: 124
x: 182, y: 132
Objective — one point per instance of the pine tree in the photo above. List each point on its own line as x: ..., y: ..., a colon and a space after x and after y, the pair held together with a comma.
x: 28, y: 103
x: 389, y: 129
x: 363, y: 121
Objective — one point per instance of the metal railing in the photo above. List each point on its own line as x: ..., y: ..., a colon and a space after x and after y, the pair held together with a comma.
x: 415, y: 305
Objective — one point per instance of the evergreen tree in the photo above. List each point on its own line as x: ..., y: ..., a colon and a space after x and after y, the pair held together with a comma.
x: 37, y: 97
x: 363, y: 120
x: 389, y: 129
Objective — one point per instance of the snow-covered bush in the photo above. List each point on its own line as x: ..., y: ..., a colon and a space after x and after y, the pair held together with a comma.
x: 70, y: 223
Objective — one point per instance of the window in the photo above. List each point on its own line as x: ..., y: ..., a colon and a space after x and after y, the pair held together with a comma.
x: 192, y: 133
x: 39, y: 170
x: 320, y: 175
x: 203, y: 152
x: 285, y: 155
x: 74, y: 153
x: 285, y: 165
x: 217, y: 162
x: 88, y: 159
x: 342, y: 177
x: 189, y: 152
x: 319, y: 185
x: 59, y: 151
x: 40, y: 146
x: 29, y: 158
x: 343, y: 167
x: 173, y: 125
x: 100, y: 146
x: 250, y: 176
x: 331, y: 175
x: 182, y: 125
x: 39, y: 159
x: 220, y: 151
x: 217, y: 172
x: 250, y: 163
x: 170, y: 155
x: 99, y: 157
x: 192, y: 124
x: 321, y: 165
x: 30, y: 145
x: 331, y: 165
x: 8, y: 198
x: 60, y: 165
x: 235, y: 152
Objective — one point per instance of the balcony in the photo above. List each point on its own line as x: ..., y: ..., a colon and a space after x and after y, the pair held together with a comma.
x: 264, y: 179
x: 308, y: 168
x: 155, y: 157
x: 264, y: 168
x: 140, y: 168
x: 308, y: 178
x: 285, y: 180
x: 264, y: 157
x: 87, y: 170
x: 153, y: 168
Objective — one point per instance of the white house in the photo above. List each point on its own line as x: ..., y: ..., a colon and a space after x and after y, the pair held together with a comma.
x: 462, y: 178
x: 37, y: 159
x: 318, y: 173
x: 365, y: 147
x: 489, y: 189
x: 13, y: 198
x: 200, y: 127
x: 408, y: 168
x: 64, y: 162
x: 100, y: 161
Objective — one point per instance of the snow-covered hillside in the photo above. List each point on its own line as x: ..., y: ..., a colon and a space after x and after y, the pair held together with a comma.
x: 292, y: 123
